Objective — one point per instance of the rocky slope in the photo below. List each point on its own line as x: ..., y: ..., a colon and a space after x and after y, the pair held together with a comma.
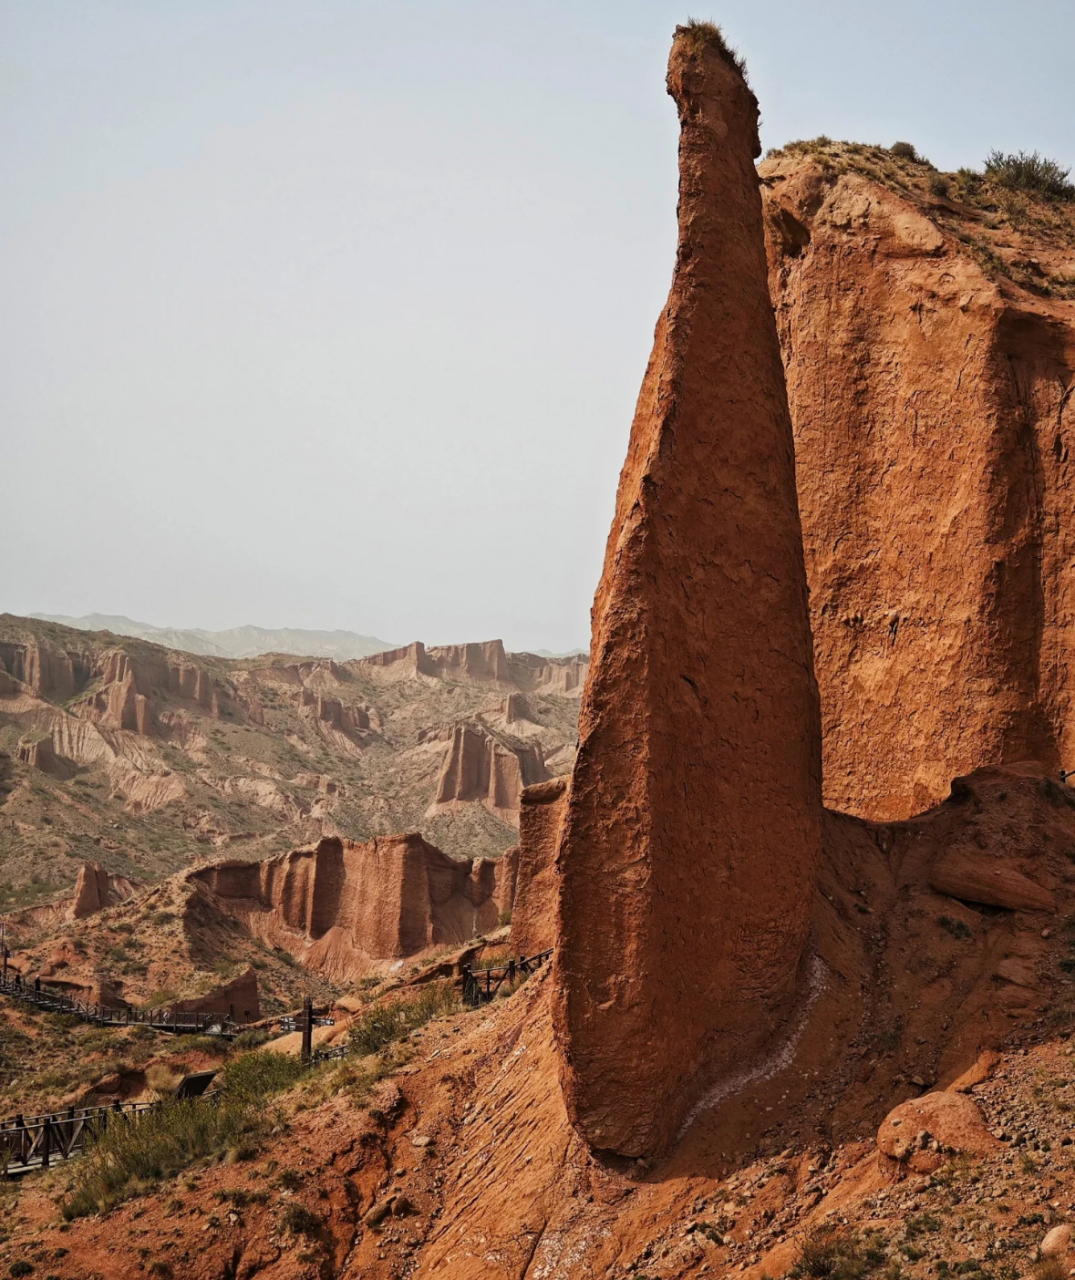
x: 928, y: 332
x: 144, y: 759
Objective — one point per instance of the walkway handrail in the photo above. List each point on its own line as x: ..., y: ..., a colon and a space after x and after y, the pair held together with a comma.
x: 113, y: 1016
x: 480, y: 986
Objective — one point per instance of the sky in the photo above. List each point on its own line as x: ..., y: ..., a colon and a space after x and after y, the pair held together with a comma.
x: 333, y: 314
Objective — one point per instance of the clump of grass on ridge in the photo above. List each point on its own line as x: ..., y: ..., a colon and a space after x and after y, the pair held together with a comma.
x: 699, y: 36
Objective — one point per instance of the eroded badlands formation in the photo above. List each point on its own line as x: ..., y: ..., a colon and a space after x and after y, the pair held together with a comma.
x: 120, y: 751
x: 693, y: 824
x: 776, y: 1039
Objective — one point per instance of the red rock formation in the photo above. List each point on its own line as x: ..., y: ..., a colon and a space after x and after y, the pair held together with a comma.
x: 484, y: 663
x: 339, y: 905
x: 541, y: 816
x: 487, y: 767
x: 692, y: 834
x: 96, y: 889
x: 932, y: 407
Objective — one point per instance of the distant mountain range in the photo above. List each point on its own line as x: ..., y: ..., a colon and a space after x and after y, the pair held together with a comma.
x: 239, y: 642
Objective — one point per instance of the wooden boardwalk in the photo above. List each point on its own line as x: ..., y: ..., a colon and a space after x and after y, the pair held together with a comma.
x: 110, y: 1016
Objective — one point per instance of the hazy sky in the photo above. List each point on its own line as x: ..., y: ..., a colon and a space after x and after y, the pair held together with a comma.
x: 333, y: 314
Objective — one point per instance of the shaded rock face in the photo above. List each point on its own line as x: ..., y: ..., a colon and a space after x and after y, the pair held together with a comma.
x: 488, y: 767
x: 933, y: 412
x: 339, y: 905
x: 237, y: 1000
x: 692, y: 833
x: 541, y: 817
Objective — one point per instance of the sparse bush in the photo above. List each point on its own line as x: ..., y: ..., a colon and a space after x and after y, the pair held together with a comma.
x: 938, y: 186
x: 252, y: 1038
x: 1051, y: 1268
x: 1031, y: 172
x: 297, y: 1219
x: 387, y: 1022
x: 957, y: 928
x: 905, y: 151
x: 837, y: 1253
x: 699, y: 36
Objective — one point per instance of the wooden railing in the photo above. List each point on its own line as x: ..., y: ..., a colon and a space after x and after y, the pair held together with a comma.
x: 481, y: 985
x: 34, y: 1142
x: 110, y: 1016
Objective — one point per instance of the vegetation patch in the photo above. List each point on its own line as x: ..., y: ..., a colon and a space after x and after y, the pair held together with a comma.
x: 838, y: 1253
x: 1029, y: 171
x: 133, y: 1156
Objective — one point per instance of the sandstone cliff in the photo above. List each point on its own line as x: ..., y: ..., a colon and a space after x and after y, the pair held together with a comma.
x: 534, y: 921
x: 692, y: 832
x: 930, y: 367
x: 488, y: 767
x: 340, y: 905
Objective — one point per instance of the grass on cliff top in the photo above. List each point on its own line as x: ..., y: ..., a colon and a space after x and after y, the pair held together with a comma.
x: 1021, y: 194
x: 698, y: 36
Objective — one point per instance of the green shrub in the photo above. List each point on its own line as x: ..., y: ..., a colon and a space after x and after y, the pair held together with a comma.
x: 379, y: 1026
x: 1029, y: 171
x: 252, y: 1038
x: 905, y: 151
x: 957, y: 928
x: 132, y: 1155
x: 938, y: 186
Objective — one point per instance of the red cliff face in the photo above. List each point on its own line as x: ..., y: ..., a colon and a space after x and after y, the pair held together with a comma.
x: 487, y: 767
x: 693, y: 825
x: 933, y: 413
x: 534, y: 915
x: 339, y: 905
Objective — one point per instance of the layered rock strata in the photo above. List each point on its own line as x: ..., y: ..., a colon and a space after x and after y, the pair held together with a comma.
x: 692, y: 833
x: 933, y: 412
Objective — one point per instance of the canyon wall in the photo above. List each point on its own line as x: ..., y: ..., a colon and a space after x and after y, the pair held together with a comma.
x: 692, y: 834
x: 933, y: 416
x: 487, y: 767
x: 339, y: 905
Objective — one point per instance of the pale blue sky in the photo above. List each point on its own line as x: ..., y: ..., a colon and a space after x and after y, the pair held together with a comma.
x: 333, y: 314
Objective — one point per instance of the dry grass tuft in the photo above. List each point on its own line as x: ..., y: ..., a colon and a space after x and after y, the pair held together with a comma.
x: 699, y: 36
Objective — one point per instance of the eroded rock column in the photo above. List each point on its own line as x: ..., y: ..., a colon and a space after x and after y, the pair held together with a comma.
x: 692, y: 834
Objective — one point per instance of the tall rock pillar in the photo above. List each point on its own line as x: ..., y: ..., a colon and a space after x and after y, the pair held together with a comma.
x: 692, y: 835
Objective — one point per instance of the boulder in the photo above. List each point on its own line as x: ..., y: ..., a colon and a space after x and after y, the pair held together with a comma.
x: 923, y: 1132
x: 985, y: 878
x: 691, y: 840
x: 1057, y: 1242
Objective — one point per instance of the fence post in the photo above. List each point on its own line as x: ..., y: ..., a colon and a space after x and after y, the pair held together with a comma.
x: 307, y: 1028
x: 46, y: 1142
